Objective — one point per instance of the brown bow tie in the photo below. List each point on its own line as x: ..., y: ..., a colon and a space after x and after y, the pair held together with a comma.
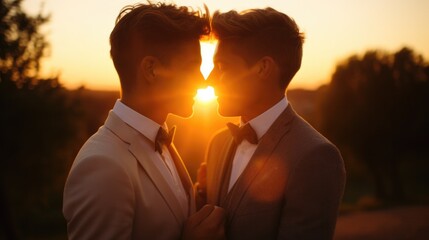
x: 164, y: 138
x: 244, y: 132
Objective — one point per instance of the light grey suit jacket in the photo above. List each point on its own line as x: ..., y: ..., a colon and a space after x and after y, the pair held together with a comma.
x: 114, y: 191
x: 291, y: 188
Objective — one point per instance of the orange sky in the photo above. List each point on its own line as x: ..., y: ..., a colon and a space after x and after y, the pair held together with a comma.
x: 79, y: 31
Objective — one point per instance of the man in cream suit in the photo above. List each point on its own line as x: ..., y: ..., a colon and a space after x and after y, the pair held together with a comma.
x: 128, y: 181
x: 275, y: 175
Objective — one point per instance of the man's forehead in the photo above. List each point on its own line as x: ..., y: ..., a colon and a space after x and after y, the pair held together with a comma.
x: 223, y: 49
x: 225, y: 45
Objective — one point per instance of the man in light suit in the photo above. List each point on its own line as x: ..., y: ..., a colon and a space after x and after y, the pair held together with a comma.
x: 128, y: 181
x: 274, y: 174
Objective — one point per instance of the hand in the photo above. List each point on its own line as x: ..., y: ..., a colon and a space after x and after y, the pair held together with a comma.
x: 201, y: 186
x: 208, y: 223
x: 202, y: 175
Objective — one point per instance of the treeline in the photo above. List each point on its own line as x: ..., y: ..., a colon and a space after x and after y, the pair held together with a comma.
x: 376, y: 109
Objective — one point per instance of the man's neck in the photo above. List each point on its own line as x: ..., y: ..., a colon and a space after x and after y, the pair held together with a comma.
x: 261, y: 108
x: 147, y: 109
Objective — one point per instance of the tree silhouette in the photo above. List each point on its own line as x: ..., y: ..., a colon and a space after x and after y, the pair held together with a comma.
x: 39, y: 128
x: 376, y: 105
x: 22, y: 44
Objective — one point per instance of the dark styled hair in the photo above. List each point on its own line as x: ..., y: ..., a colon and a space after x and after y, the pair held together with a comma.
x: 256, y: 33
x: 152, y: 29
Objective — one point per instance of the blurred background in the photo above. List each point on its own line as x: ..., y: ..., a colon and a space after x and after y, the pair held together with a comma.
x: 364, y: 84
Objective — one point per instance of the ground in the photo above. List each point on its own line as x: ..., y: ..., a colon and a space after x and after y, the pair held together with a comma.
x: 410, y: 222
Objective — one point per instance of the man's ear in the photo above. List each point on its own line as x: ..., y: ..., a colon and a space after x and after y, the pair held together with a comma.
x: 147, y: 68
x: 266, y: 67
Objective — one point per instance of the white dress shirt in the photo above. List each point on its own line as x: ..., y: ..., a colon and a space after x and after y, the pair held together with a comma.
x: 164, y: 161
x: 245, y: 150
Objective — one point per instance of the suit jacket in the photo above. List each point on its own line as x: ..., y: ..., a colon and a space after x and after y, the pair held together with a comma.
x: 114, y: 190
x: 291, y: 188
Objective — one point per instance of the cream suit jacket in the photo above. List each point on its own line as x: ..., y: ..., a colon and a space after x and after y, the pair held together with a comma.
x: 290, y: 189
x: 114, y: 190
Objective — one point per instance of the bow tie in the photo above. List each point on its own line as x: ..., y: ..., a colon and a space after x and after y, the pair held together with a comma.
x: 164, y: 138
x: 241, y: 133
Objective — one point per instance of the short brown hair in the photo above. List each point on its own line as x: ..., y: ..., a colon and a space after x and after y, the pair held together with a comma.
x: 152, y: 29
x: 262, y: 32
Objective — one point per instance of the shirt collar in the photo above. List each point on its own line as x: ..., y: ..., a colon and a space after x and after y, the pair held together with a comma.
x: 142, y: 124
x: 263, y: 122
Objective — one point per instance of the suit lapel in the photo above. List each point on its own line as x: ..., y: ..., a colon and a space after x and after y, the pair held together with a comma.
x: 184, y: 176
x: 226, y: 174
x: 218, y: 171
x: 262, y: 154
x: 138, y: 147
x: 157, y: 178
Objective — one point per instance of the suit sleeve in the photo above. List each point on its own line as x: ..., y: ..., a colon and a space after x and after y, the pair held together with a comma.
x: 313, y: 194
x: 98, y: 200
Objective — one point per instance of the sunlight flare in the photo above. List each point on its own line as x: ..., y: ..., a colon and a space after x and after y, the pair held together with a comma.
x: 205, y: 95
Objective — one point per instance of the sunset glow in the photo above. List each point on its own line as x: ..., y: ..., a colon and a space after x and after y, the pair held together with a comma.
x: 89, y: 64
x: 205, y: 95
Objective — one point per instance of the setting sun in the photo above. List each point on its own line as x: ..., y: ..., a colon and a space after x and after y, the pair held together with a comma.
x: 205, y: 95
